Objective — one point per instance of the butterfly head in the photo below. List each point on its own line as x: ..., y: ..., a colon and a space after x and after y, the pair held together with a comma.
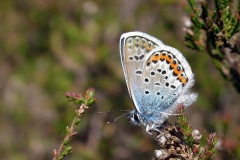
x: 134, y: 118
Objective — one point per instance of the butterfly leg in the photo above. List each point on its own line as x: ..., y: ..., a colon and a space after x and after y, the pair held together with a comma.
x: 151, y: 128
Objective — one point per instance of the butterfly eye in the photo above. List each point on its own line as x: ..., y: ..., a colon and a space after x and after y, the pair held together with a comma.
x: 134, y: 119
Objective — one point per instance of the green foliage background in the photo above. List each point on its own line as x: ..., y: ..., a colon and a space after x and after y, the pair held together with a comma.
x: 50, y: 47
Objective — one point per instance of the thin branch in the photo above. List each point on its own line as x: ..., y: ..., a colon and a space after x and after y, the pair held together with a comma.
x: 70, y: 132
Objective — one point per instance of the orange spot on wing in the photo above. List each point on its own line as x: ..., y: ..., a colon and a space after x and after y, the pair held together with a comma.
x: 169, y: 59
x: 182, y: 79
x: 176, y: 71
x: 173, y: 65
x: 155, y: 58
x: 149, y: 48
x: 162, y: 57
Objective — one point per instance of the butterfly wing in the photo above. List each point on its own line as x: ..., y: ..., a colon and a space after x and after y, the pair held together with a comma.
x: 158, y: 77
x: 167, y: 78
x: 134, y: 48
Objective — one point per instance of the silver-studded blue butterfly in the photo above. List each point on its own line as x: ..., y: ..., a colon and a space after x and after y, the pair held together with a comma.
x: 158, y: 79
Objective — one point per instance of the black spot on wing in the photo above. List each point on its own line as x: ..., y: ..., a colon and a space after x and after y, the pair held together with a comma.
x: 138, y: 72
x: 141, y: 57
x: 152, y: 73
x: 173, y: 87
x: 136, y: 58
x: 146, y: 80
x: 146, y: 92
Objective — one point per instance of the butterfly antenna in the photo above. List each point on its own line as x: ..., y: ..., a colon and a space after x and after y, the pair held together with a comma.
x: 115, y: 111
x: 118, y: 118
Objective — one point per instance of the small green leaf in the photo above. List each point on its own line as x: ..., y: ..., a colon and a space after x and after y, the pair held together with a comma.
x: 194, y: 6
x: 66, y: 142
x: 69, y: 149
x: 67, y: 129
x: 204, y: 14
x: 217, y: 4
x: 77, y: 121
x: 196, y: 22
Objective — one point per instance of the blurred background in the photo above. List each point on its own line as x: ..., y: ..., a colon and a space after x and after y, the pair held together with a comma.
x: 50, y: 47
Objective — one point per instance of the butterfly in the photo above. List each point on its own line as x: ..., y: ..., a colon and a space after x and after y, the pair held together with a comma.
x: 158, y: 79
